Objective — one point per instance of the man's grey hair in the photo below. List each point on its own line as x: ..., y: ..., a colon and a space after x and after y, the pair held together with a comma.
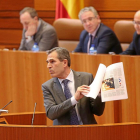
x: 86, y: 9
x: 62, y: 54
x: 30, y: 10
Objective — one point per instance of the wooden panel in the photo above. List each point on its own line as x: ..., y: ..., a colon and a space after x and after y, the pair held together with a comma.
x: 128, y: 131
x: 15, y: 14
x: 116, y: 14
x: 11, y: 14
x: 21, y: 77
x: 44, y: 4
x: 12, y: 23
x: 133, y: 89
x: 137, y: 76
x: 46, y: 14
x: 10, y: 36
x: 115, y: 5
x: 25, y: 118
x: 49, y: 20
x: 10, y: 47
x: 15, y: 24
x: 129, y: 112
x: 15, y: 4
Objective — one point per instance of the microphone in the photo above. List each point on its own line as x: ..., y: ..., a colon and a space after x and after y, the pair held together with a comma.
x: 1, y: 110
x: 7, y: 104
x: 33, y: 114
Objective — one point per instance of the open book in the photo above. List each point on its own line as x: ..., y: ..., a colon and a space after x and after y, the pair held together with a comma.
x: 110, y: 81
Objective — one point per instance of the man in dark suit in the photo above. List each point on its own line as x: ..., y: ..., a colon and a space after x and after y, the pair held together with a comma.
x: 58, y: 106
x: 134, y: 47
x: 103, y: 38
x: 36, y: 30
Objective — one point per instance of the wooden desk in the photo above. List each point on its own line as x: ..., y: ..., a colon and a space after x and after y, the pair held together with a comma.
x: 127, y: 131
x: 25, y: 118
x: 22, y: 74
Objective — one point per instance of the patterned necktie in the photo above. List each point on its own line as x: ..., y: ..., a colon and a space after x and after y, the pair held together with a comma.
x: 73, y: 115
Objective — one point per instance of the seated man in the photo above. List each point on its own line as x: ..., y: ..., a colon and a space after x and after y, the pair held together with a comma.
x: 134, y: 47
x: 36, y: 30
x: 63, y: 99
x: 103, y: 38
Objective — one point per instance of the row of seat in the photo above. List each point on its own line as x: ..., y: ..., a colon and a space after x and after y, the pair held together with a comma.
x: 69, y: 30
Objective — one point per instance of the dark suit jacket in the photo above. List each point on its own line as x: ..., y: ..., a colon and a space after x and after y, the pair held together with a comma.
x: 105, y: 41
x: 45, y: 37
x: 57, y: 107
x: 134, y: 47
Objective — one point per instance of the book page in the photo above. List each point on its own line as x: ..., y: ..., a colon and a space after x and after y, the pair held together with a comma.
x: 95, y: 86
x: 114, y: 85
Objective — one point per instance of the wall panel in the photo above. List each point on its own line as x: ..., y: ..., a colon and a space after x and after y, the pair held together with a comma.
x: 44, y: 5
x: 109, y: 11
x: 115, y: 5
x: 15, y: 4
x: 10, y: 37
x: 11, y: 23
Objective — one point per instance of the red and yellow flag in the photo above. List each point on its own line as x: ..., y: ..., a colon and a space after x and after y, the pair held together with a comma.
x: 68, y: 8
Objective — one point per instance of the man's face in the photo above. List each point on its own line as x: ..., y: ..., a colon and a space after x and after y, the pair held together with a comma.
x: 26, y: 20
x: 137, y: 22
x: 55, y: 66
x: 89, y: 21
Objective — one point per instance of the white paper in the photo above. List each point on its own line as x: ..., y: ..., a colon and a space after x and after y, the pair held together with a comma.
x: 97, y: 82
x: 114, y: 80
x: 111, y: 82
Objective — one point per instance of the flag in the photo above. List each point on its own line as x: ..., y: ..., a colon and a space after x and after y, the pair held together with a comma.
x: 68, y: 8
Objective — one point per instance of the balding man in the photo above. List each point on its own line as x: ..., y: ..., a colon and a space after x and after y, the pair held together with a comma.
x: 134, y: 48
x: 35, y: 30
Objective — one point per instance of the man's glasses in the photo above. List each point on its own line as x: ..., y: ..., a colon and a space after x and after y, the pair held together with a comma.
x: 137, y: 22
x: 88, y: 20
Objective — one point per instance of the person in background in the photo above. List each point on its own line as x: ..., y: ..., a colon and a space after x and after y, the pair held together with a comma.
x: 103, y: 38
x: 36, y: 30
x: 134, y: 47
x: 63, y: 99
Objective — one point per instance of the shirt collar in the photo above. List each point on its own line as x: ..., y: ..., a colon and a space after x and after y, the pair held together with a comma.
x: 70, y: 77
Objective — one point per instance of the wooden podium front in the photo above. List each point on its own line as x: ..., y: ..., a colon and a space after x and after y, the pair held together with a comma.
x: 24, y: 118
x: 40, y: 131
x: 87, y: 132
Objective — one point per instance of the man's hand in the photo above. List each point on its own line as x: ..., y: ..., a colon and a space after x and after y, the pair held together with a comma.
x: 32, y: 29
x: 82, y: 89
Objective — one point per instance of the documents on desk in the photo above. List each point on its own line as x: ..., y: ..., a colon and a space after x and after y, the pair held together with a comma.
x: 111, y: 81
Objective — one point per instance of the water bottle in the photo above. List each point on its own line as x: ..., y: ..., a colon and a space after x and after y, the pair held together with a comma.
x: 92, y: 49
x: 35, y: 47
